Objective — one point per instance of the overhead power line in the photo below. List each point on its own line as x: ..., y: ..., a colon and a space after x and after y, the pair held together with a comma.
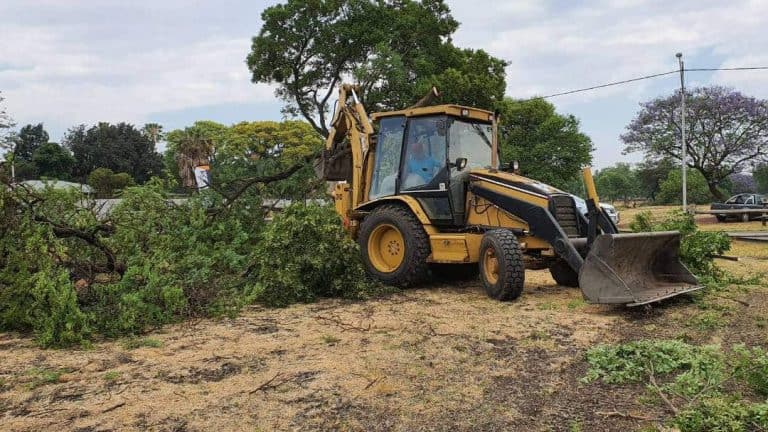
x: 615, y: 83
x: 727, y: 69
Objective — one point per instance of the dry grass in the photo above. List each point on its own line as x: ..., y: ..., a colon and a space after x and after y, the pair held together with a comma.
x: 435, y: 358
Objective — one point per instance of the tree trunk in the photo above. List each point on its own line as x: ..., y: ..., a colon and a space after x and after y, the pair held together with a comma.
x: 716, y: 192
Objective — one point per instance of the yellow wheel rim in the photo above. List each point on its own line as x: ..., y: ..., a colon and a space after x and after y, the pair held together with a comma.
x: 386, y: 248
x: 490, y: 266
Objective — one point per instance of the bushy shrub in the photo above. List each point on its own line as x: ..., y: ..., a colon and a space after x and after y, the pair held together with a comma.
x: 305, y: 254
x: 697, y: 248
x: 723, y: 414
x: 105, y: 182
x: 696, y: 377
x: 66, y: 275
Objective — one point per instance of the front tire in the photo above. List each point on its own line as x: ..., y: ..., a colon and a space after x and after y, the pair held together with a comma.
x: 394, y: 246
x: 563, y: 274
x: 502, y: 269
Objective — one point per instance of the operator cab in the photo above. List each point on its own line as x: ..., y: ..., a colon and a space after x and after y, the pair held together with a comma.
x: 427, y: 153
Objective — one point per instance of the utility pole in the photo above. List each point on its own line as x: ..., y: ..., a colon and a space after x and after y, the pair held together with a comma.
x: 682, y: 128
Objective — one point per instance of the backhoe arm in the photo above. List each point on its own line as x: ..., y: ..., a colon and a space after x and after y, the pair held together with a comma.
x: 346, y: 150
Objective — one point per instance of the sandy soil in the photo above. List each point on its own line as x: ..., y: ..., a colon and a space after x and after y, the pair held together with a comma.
x: 434, y: 358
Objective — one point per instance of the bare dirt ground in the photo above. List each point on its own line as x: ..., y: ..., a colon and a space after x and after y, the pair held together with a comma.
x: 434, y: 358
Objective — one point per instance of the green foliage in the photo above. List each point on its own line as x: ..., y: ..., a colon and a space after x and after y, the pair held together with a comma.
x: 670, y: 190
x: 135, y: 342
x: 723, y: 414
x: 697, y: 248
x: 106, y: 183
x: 617, y: 182
x: 28, y: 140
x: 548, y: 145
x: 120, y: 147
x: 651, y: 173
x: 760, y: 173
x: 696, y: 375
x: 53, y: 161
x: 306, y: 254
x: 726, y: 132
x: 35, y: 292
x: 395, y: 50
x: 752, y: 368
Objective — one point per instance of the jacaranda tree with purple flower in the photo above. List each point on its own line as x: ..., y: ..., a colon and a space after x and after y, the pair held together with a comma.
x: 726, y: 132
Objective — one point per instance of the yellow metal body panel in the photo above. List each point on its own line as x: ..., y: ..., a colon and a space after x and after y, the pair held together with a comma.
x: 455, y: 248
x: 452, y: 110
x: 405, y: 199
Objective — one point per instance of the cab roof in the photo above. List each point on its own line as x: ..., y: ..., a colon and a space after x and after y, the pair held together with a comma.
x: 451, y: 110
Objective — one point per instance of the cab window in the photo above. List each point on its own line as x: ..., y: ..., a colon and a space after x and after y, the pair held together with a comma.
x: 388, y: 149
x: 424, y: 152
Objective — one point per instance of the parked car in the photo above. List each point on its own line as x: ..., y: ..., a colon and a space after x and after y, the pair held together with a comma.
x: 738, y: 202
x: 609, y: 209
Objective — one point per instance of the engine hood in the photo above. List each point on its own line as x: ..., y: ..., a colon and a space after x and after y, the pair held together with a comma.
x: 515, y: 181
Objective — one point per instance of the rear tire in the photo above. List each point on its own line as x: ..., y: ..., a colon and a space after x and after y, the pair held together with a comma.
x: 563, y: 274
x: 502, y: 269
x: 394, y: 246
x: 720, y: 218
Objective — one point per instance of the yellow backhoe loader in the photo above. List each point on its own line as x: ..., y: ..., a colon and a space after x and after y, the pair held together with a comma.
x: 422, y: 187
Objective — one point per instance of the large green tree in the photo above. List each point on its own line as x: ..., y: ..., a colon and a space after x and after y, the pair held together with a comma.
x: 29, y: 139
x: 549, y: 146
x: 53, y: 161
x: 247, y: 150
x: 617, y: 182
x: 395, y: 50
x: 650, y: 175
x: 726, y: 132
x: 120, y: 147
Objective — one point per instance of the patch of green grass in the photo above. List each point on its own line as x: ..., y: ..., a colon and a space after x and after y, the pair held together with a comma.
x: 330, y: 339
x: 761, y: 322
x: 134, y: 343
x: 575, y: 426
x: 576, y: 304
x: 547, y: 306
x: 112, y: 375
x: 44, y: 376
x: 708, y: 321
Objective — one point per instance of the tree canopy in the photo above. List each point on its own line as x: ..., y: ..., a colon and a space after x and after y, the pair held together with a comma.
x: 53, y: 161
x: 395, y: 50
x: 120, y: 147
x: 245, y: 150
x: 617, y: 182
x: 726, y: 132
x: 29, y: 139
x: 548, y: 145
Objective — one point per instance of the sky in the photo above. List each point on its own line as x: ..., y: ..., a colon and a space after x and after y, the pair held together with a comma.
x: 67, y: 62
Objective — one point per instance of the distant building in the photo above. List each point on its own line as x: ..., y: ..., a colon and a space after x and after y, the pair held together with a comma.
x: 58, y: 184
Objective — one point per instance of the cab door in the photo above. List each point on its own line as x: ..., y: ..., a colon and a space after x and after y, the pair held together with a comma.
x: 424, y: 171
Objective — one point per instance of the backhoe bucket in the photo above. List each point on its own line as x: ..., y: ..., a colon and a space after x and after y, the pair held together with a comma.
x: 635, y: 269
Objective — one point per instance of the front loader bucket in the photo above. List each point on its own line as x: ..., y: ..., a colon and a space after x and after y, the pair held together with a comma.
x: 635, y: 269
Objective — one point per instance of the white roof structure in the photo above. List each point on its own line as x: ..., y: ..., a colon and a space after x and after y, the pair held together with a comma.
x: 57, y: 184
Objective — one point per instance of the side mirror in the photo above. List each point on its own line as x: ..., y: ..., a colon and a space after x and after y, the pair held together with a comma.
x: 460, y: 163
x: 513, y: 167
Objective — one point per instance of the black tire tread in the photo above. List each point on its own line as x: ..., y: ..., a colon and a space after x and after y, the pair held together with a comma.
x: 416, y: 267
x: 563, y: 274
x: 513, y: 278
